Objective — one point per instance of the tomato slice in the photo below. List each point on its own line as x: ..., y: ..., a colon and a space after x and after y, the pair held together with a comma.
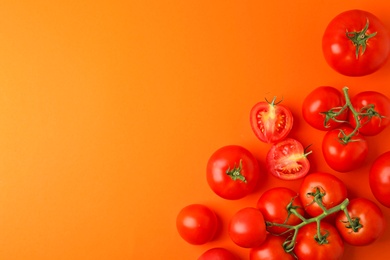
x: 287, y: 160
x: 271, y: 122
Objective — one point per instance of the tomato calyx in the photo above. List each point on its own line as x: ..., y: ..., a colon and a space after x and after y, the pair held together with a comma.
x: 235, y: 173
x: 359, y: 39
x: 353, y: 224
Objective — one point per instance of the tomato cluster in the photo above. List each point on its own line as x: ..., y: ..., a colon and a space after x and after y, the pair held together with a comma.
x: 315, y: 221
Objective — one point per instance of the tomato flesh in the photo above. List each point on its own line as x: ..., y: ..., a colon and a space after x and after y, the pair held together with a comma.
x: 379, y: 177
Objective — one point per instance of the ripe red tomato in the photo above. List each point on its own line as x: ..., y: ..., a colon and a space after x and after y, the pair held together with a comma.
x: 272, y: 248
x: 217, y: 253
x: 307, y: 246
x: 376, y: 106
x: 271, y: 122
x: 232, y: 172
x: 379, y: 177
x: 273, y: 204
x: 368, y: 219
x: 318, y: 106
x: 287, y: 160
x: 356, y: 43
x: 197, y: 224
x: 247, y: 228
x: 344, y: 157
x: 333, y: 192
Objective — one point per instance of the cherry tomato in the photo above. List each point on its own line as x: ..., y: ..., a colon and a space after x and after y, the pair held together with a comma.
x: 273, y: 204
x: 218, y: 253
x: 272, y: 248
x: 232, y: 172
x: 376, y: 106
x: 320, y: 105
x: 287, y: 160
x: 341, y: 156
x: 379, y: 177
x: 330, y: 189
x: 247, y: 228
x: 271, y: 122
x: 197, y: 224
x: 368, y: 222
x: 356, y: 43
x: 309, y: 246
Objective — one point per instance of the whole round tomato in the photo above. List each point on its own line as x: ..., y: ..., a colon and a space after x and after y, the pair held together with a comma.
x: 272, y: 248
x: 356, y: 43
x: 341, y: 156
x: 273, y: 204
x: 247, y: 228
x: 287, y: 160
x: 379, y: 177
x: 218, y: 253
x: 320, y: 106
x: 309, y: 246
x: 271, y: 122
x: 196, y: 224
x: 232, y: 172
x: 330, y: 190
x: 375, y: 107
x: 368, y: 222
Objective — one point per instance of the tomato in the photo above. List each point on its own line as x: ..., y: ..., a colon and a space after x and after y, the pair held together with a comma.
x: 271, y: 122
x: 232, y: 172
x: 332, y: 191
x: 344, y: 157
x: 197, y: 224
x: 273, y: 204
x: 247, y: 228
x: 377, y: 108
x: 307, y: 246
x: 320, y: 104
x: 287, y: 160
x: 368, y: 222
x: 379, y: 177
x: 356, y: 43
x: 272, y: 248
x: 217, y: 253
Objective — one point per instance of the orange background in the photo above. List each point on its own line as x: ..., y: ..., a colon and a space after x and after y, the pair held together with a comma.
x: 109, y: 111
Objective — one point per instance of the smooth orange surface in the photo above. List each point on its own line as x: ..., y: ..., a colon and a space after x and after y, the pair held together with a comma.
x: 109, y: 111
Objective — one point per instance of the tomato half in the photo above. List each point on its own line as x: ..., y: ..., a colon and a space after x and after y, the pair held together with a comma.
x: 331, y: 189
x: 341, y: 156
x: 376, y: 107
x: 273, y: 204
x: 197, y: 224
x: 356, y: 43
x: 287, y: 160
x: 319, y: 106
x: 271, y: 122
x: 232, y: 172
x: 379, y: 177
x: 368, y: 222
x: 272, y: 248
x: 247, y: 228
x: 218, y: 253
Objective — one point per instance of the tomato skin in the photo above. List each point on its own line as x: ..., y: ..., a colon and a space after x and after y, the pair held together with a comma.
x: 344, y: 157
x: 307, y: 247
x: 271, y: 249
x: 272, y: 204
x: 335, y: 191
x: 226, y: 159
x: 197, y: 224
x: 218, y: 253
x: 287, y: 160
x: 247, y: 228
x: 340, y: 52
x: 379, y: 178
x: 376, y: 124
x: 271, y: 122
x: 370, y: 217
x: 320, y: 100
